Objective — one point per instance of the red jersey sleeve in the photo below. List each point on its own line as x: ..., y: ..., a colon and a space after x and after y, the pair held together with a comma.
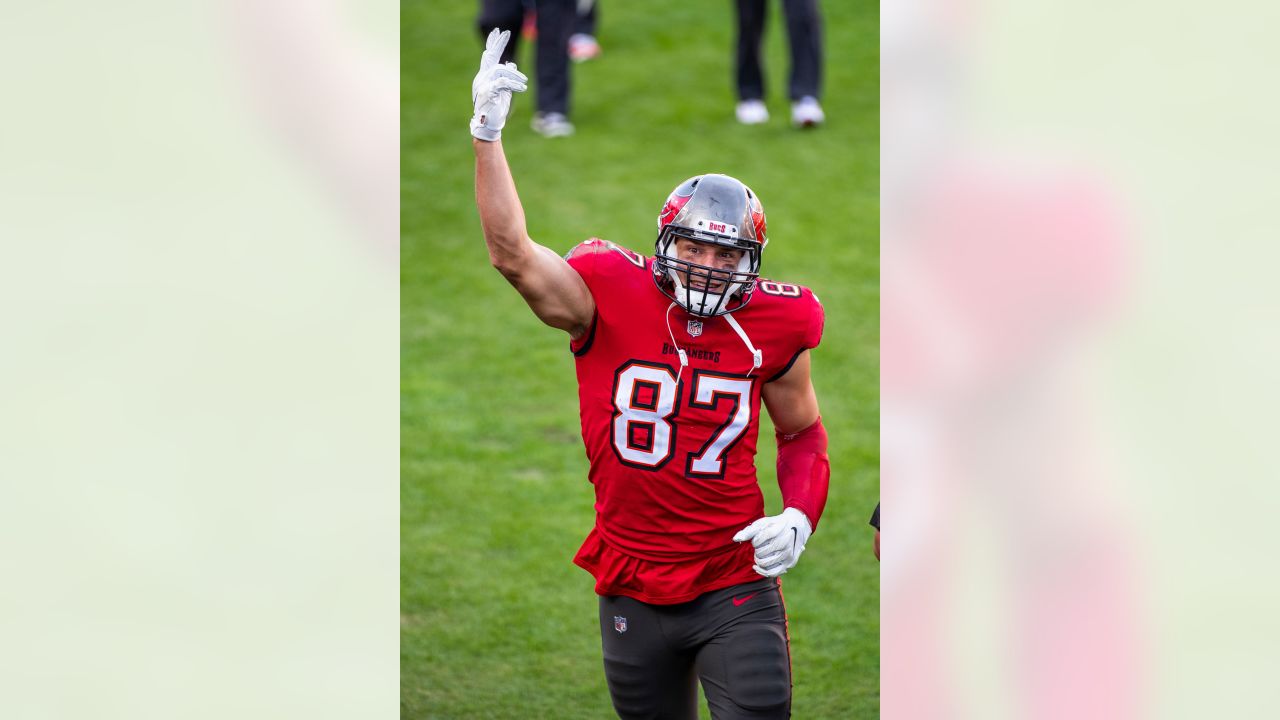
x: 817, y: 319
x: 583, y: 258
x: 599, y: 263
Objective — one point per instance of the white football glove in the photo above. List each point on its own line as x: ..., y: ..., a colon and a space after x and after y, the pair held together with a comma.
x: 492, y: 88
x: 778, y: 539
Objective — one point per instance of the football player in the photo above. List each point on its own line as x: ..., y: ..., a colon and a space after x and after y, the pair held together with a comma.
x: 675, y: 354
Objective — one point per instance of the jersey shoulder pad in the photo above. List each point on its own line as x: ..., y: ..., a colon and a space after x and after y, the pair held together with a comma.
x: 609, y: 249
x: 784, y: 292
x: 590, y: 246
x: 798, y: 304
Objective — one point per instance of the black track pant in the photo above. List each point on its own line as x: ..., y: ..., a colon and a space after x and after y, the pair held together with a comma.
x: 734, y: 640
x: 555, y: 23
x: 586, y: 21
x: 804, y: 34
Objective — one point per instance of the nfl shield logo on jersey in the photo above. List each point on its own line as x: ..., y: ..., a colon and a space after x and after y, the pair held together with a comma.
x: 695, y: 328
x: 619, y: 624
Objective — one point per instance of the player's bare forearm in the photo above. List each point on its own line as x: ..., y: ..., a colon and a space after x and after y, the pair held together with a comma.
x: 501, y: 215
x: 791, y: 400
x: 553, y: 290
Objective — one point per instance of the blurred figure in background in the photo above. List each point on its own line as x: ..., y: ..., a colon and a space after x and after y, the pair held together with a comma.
x: 998, y: 270
x: 348, y: 100
x: 583, y: 45
x: 875, y: 523
x: 554, y: 22
x: 804, y: 35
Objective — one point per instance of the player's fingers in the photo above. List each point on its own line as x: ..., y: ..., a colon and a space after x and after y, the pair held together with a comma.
x: 767, y: 532
x: 768, y: 572
x: 509, y: 71
x: 509, y: 74
x: 773, y: 542
x: 749, y: 532
x: 493, y: 47
x: 514, y: 71
x: 786, y: 551
x: 771, y: 547
x: 497, y: 41
x: 767, y: 561
x: 509, y: 85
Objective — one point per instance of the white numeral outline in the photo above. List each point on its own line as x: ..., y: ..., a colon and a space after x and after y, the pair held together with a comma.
x: 769, y: 287
x: 709, y: 389
x: 630, y: 414
x: 646, y: 396
x: 636, y: 258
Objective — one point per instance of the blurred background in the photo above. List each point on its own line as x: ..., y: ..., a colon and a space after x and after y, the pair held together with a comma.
x: 198, y: 366
x: 496, y: 621
x: 1075, y: 341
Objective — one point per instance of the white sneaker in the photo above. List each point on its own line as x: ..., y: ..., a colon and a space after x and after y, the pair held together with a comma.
x: 583, y: 47
x: 807, y: 113
x: 552, y: 124
x: 752, y: 112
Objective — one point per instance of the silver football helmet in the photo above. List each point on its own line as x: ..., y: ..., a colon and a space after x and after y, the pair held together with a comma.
x: 718, y: 210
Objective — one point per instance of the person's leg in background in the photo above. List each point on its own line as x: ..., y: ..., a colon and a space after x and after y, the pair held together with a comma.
x: 504, y: 15
x: 804, y: 35
x: 748, y: 74
x: 555, y: 23
x: 583, y: 45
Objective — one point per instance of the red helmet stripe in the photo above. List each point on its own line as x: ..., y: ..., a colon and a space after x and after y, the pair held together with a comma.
x: 674, y: 205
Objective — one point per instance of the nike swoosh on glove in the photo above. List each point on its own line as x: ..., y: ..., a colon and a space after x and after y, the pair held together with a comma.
x: 778, y: 541
x: 492, y: 88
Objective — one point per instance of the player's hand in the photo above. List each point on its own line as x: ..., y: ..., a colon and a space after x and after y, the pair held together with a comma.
x: 492, y: 88
x: 778, y: 540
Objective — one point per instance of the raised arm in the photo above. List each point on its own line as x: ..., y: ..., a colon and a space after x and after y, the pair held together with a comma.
x: 554, y: 290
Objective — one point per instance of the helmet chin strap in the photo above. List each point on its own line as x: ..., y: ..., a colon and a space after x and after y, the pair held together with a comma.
x: 686, y: 298
x: 684, y: 356
x: 757, y: 357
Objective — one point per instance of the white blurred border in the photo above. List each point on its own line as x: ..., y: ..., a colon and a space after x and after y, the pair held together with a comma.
x: 1078, y: 331
x: 198, y: 363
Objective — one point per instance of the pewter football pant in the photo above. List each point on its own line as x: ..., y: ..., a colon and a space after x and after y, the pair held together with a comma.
x: 734, y: 640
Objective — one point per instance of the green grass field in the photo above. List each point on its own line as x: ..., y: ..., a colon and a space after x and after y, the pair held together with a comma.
x: 496, y: 621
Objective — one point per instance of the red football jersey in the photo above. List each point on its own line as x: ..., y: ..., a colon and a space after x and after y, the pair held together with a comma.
x: 672, y: 449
